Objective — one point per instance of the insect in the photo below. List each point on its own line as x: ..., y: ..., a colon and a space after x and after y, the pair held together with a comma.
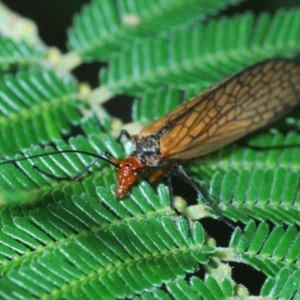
x: 218, y: 116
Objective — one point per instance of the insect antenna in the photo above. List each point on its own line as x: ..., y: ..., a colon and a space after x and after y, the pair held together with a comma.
x: 265, y: 148
x: 105, y: 156
x: 279, y: 147
x: 172, y: 205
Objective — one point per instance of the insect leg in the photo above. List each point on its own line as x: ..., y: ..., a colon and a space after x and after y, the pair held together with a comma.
x: 171, y: 193
x: 78, y: 175
x: 172, y: 205
x: 125, y: 133
x: 185, y: 176
x: 158, y: 171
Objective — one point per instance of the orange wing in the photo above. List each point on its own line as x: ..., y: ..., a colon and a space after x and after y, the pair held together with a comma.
x: 229, y: 110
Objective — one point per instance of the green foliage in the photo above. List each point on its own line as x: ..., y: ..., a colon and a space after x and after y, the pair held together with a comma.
x: 18, y: 55
x: 266, y: 250
x: 104, y: 27
x: 71, y: 239
x: 220, y: 48
x: 283, y: 286
x: 38, y: 104
x: 87, y: 246
x: 194, y: 289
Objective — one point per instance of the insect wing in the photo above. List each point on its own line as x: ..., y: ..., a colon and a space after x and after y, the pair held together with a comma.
x: 229, y: 110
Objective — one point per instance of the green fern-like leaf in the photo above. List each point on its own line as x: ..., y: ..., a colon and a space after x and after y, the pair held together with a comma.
x: 283, y: 286
x: 261, y: 184
x: 16, y: 180
x: 261, y: 194
x: 40, y: 105
x: 223, y: 47
x: 124, y: 253
x: 267, y: 251
x: 155, y: 104
x: 194, y: 288
x: 15, y: 55
x: 68, y: 239
x: 104, y: 27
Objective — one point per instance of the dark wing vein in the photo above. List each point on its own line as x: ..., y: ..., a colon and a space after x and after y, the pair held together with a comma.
x: 229, y: 110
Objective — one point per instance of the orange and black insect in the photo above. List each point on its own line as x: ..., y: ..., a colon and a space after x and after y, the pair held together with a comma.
x: 218, y: 116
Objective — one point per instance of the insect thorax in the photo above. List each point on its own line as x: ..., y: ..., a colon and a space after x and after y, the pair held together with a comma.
x: 147, y: 149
